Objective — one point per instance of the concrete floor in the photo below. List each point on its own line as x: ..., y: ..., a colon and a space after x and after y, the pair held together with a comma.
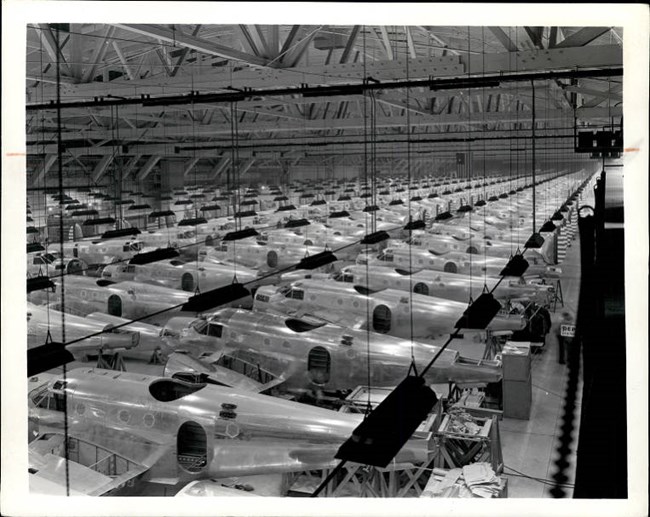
x: 529, y: 446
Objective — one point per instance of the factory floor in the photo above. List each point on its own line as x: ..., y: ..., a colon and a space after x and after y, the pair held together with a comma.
x: 529, y: 446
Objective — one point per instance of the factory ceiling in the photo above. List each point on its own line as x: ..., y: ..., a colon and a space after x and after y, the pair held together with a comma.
x: 250, y: 84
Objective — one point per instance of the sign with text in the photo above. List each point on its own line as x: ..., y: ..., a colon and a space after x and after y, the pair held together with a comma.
x: 567, y: 330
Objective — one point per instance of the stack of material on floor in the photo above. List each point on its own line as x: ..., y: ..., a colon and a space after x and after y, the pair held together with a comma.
x: 476, y: 480
x: 481, y: 479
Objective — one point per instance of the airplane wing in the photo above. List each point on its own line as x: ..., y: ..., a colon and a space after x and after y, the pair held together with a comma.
x: 47, y: 468
x: 235, y: 457
x: 341, y: 318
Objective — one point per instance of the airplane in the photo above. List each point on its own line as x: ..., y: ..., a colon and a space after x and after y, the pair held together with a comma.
x: 50, y: 264
x: 449, y: 262
x: 451, y: 286
x: 386, y: 311
x: 123, y: 427
x: 251, y: 253
x: 43, y: 322
x: 184, y: 238
x: 474, y: 244
x: 131, y: 300
x: 308, y: 354
x: 177, y: 274
x: 104, y: 251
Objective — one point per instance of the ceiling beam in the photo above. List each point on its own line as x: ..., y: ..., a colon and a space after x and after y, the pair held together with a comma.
x: 184, y: 53
x: 349, y: 45
x: 49, y: 43
x: 295, y: 53
x: 409, y: 42
x: 162, y: 33
x: 147, y: 167
x: 101, y: 167
x: 130, y: 165
x: 43, y: 170
x: 123, y: 61
x: 420, y: 68
x: 383, y: 32
x: 98, y: 55
x: 582, y: 37
x: 503, y: 38
x: 189, y: 166
x: 221, y: 166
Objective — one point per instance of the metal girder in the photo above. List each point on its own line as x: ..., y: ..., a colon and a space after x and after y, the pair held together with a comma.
x: 252, y: 39
x: 582, y: 37
x: 183, y: 55
x: 221, y: 166
x: 123, y: 61
x: 350, y: 43
x: 409, y: 42
x: 431, y: 31
x: 101, y: 167
x: 200, y: 45
x: 98, y: 55
x: 288, y: 42
x: 49, y: 42
x: 76, y: 52
x: 504, y: 39
x: 130, y: 165
x: 173, y: 132
x: 447, y: 66
x: 535, y: 35
x: 246, y: 166
x: 386, y: 41
x: 294, y: 54
x: 45, y: 167
x: 147, y: 167
x: 189, y: 166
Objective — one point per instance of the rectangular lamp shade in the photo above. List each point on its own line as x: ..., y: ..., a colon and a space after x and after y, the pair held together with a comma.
x: 378, y: 439
x: 215, y: 298
x: 516, y: 266
x: 240, y: 234
x: 124, y: 232
x: 535, y: 241
x: 318, y: 260
x: 154, y: 256
x: 46, y: 357
x: 480, y: 313
x: 376, y: 237
x: 38, y: 283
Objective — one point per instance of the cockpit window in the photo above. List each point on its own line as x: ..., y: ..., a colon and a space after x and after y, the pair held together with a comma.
x: 168, y: 390
x: 200, y: 326
x: 215, y: 330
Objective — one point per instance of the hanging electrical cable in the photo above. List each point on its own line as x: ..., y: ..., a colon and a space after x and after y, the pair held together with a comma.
x: 59, y: 146
x: 410, y: 219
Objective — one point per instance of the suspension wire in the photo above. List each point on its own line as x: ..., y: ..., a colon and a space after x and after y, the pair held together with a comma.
x: 484, y: 172
x: 60, y: 174
x: 408, y: 172
x: 470, y: 172
x: 367, y: 248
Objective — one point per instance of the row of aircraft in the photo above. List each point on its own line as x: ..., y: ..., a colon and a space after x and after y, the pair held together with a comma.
x: 381, y: 309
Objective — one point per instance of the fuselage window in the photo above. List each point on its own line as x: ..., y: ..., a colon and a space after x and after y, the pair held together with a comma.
x: 319, y: 364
